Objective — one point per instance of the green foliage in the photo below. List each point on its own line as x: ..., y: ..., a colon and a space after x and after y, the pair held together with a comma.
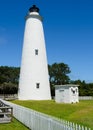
x: 9, y: 77
x: 85, y: 89
x: 8, y: 88
x: 80, y: 113
x: 9, y: 74
x: 58, y: 74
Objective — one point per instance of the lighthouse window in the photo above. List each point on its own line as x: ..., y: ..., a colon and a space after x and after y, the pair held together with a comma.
x: 36, y: 51
x: 37, y: 85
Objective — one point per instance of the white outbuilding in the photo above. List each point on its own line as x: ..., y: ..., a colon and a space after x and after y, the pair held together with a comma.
x: 66, y: 93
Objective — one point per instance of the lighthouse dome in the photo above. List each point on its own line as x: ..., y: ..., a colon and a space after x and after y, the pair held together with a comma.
x: 34, y: 9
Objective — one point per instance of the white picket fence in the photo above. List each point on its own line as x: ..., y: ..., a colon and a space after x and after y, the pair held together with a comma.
x: 38, y: 121
x: 85, y: 98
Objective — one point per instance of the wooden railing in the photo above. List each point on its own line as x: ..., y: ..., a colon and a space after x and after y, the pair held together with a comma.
x: 85, y: 97
x: 6, y: 113
x: 8, y: 96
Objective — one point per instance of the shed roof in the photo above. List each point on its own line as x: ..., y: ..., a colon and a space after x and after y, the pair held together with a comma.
x: 66, y: 85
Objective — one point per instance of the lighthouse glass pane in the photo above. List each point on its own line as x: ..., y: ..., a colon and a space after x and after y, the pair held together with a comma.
x: 37, y: 85
x: 36, y: 51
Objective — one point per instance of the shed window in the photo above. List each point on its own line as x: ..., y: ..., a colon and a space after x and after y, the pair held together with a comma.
x: 61, y: 90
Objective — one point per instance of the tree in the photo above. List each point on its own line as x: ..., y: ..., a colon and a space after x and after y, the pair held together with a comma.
x: 58, y: 74
x: 85, y: 89
x: 9, y: 88
x: 9, y: 74
x: 9, y: 77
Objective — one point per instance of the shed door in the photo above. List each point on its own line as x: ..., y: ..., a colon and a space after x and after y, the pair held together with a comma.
x: 61, y: 95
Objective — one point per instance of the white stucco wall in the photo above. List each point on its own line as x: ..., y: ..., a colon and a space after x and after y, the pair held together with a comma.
x: 34, y: 68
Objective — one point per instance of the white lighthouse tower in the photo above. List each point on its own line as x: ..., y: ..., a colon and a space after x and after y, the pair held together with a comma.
x: 34, y: 79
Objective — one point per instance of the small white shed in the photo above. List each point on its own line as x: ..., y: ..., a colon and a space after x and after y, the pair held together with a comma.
x: 66, y: 93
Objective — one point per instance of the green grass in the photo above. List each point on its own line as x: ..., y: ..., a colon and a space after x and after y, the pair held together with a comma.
x: 14, y: 125
x: 80, y: 113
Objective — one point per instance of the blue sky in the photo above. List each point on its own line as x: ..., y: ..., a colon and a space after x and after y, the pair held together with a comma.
x: 68, y: 28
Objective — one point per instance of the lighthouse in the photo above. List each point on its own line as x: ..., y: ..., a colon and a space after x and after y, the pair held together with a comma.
x: 34, y: 78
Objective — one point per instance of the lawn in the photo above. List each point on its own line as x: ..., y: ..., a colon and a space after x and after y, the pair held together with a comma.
x: 14, y: 125
x: 80, y: 113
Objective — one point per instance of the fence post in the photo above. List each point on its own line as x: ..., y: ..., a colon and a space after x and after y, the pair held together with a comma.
x: 70, y: 125
x: 73, y: 125
x: 82, y: 127
x: 76, y: 127
x: 79, y: 127
x: 11, y: 114
x: 49, y: 124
